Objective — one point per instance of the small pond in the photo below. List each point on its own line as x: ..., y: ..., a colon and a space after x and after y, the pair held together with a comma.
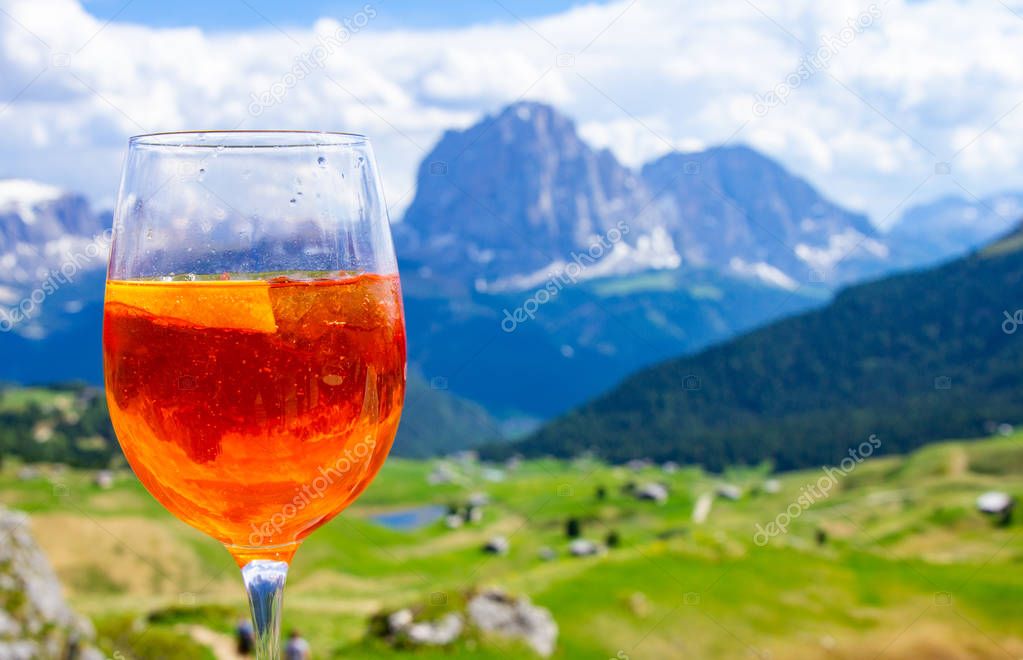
x: 407, y: 520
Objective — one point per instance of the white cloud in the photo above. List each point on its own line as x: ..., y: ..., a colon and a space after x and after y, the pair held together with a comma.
x: 21, y: 197
x: 924, y: 81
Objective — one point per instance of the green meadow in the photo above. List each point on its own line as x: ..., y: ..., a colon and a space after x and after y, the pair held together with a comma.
x: 895, y: 562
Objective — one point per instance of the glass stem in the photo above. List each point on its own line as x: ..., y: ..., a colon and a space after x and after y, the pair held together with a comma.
x: 264, y: 582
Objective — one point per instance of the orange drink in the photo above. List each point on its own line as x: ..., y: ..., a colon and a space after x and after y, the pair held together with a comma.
x: 255, y: 410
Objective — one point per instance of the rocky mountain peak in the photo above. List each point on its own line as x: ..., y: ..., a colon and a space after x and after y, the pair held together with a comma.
x: 518, y: 193
x: 512, y: 198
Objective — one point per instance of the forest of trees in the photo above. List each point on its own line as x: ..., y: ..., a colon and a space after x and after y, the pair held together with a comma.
x: 62, y: 424
x: 912, y: 358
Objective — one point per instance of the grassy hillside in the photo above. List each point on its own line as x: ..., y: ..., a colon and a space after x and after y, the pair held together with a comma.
x: 907, y: 568
x: 912, y: 358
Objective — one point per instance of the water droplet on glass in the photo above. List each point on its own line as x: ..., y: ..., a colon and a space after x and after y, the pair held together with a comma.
x: 293, y: 200
x: 359, y: 162
x: 321, y: 161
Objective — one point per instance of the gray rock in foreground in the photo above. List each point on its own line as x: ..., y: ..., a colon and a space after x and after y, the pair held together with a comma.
x: 491, y: 611
x: 35, y: 620
x: 495, y: 611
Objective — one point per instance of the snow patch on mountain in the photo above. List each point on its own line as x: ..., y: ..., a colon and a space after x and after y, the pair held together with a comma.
x: 28, y: 263
x: 764, y: 272
x: 653, y: 251
x: 839, y: 247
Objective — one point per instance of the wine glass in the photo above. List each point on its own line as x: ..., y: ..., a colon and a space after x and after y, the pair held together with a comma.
x: 253, y: 339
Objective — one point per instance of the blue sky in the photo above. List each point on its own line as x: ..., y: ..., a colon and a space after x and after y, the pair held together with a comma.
x: 240, y: 15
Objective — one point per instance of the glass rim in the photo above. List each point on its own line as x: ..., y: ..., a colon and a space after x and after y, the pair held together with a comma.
x: 247, y: 139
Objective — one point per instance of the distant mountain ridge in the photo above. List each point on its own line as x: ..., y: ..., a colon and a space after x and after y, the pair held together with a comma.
x: 40, y: 223
x: 950, y: 226
x: 912, y: 358
x: 690, y: 249
x: 601, y: 331
x: 48, y: 238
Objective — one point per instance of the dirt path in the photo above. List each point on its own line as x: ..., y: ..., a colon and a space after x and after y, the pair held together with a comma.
x: 959, y: 462
x: 223, y: 646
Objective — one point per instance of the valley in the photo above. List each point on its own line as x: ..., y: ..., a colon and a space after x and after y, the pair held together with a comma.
x: 895, y: 560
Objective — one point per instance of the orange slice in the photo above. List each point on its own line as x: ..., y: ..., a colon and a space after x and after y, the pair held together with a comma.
x: 212, y: 304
